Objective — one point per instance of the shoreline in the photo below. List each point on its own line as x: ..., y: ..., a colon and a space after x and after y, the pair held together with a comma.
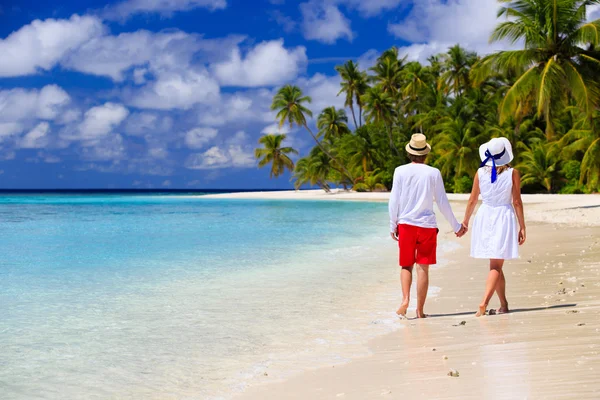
x: 534, y: 357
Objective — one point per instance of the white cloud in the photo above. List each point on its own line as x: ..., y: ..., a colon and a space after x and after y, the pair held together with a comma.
x: 234, y: 153
x: 139, y: 75
x: 51, y: 101
x: 21, y: 104
x: 127, y: 8
x: 371, y: 8
x: 242, y: 108
x: 112, y: 56
x: 275, y: 129
x: 198, y: 137
x: 267, y: 64
x: 109, y: 148
x: 98, y: 122
x: 324, y: 22
x: 231, y: 156
x: 436, y: 25
x: 41, y: 44
x: 323, y: 90
x: 593, y: 12
x: 9, y: 128
x: 177, y: 90
x: 37, y: 138
x: 146, y: 123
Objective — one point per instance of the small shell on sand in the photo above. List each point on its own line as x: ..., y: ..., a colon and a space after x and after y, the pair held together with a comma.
x: 445, y: 357
x: 453, y: 373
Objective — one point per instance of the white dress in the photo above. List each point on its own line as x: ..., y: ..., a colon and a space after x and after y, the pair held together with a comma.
x: 495, y: 232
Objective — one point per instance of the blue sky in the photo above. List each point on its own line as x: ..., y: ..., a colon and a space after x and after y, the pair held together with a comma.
x: 176, y: 93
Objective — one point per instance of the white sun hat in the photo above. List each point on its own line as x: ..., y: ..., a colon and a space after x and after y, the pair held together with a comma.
x: 495, y: 153
x: 498, y: 150
x: 418, y: 145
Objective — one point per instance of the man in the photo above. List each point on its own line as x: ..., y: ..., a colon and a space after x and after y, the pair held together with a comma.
x: 412, y: 220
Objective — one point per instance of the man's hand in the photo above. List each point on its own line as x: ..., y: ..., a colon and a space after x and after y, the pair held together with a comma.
x: 394, y: 235
x: 462, y: 231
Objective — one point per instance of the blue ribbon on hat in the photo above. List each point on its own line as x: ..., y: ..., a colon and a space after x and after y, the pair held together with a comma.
x: 495, y: 157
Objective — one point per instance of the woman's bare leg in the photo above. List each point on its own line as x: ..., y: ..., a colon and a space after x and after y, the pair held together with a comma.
x: 406, y: 280
x: 501, y: 292
x: 490, y: 286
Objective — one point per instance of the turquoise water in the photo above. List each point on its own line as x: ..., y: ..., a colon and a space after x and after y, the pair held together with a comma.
x: 180, y: 297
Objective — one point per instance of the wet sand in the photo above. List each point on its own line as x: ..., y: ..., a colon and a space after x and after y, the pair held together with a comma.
x: 547, y: 347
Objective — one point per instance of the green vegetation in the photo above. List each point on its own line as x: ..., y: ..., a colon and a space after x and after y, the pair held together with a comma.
x: 544, y: 98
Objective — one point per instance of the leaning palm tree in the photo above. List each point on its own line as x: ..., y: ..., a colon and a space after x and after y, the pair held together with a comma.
x: 559, y: 61
x: 379, y: 108
x: 272, y: 153
x: 332, y: 124
x: 289, y: 104
x: 353, y: 84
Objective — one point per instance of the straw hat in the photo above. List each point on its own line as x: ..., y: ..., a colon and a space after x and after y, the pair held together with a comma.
x: 418, y: 145
x: 499, y: 148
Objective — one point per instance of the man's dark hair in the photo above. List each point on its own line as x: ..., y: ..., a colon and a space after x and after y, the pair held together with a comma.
x: 417, y: 159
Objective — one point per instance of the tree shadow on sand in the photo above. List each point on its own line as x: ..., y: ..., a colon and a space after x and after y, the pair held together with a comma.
x: 516, y: 310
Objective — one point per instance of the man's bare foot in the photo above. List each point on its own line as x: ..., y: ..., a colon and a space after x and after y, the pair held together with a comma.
x: 503, y: 310
x: 402, y: 310
x: 421, y: 314
x: 481, y: 311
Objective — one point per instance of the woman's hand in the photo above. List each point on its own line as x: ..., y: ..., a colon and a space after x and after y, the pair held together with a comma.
x: 522, y: 236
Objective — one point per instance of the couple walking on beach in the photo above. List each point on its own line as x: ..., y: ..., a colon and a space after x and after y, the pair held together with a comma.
x: 495, y: 233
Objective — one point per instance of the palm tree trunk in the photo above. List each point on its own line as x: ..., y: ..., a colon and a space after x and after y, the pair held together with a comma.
x: 360, y: 110
x: 392, y: 145
x: 353, y: 116
x: 324, y: 150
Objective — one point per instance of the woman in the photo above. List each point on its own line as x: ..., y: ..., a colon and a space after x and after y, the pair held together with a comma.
x: 495, y: 235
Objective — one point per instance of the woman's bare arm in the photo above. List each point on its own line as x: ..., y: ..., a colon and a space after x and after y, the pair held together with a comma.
x: 518, y: 205
x: 472, y: 201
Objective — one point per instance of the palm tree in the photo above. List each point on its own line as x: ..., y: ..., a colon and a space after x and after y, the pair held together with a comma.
x: 314, y: 169
x: 289, y: 104
x: 354, y: 85
x: 559, y: 60
x: 379, y: 108
x: 332, y: 124
x: 272, y: 153
x: 456, y: 69
x: 388, y: 71
x: 539, y: 164
x: 456, y: 146
x: 585, y: 141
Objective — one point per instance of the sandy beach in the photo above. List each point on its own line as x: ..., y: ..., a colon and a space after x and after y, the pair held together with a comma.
x: 547, y: 347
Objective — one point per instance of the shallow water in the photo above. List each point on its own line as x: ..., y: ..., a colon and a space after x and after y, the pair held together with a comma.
x: 172, y: 297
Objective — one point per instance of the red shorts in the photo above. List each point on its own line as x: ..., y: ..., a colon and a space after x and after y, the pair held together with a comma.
x: 417, y: 245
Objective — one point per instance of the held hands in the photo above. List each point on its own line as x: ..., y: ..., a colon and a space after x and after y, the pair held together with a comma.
x: 464, y: 228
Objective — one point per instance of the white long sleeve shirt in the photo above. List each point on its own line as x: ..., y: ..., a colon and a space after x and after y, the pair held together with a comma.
x: 411, y: 201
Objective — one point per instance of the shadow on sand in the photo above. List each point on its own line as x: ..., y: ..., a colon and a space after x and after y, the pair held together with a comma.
x: 516, y: 310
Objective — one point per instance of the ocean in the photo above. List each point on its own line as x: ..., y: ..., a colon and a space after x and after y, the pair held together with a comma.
x: 183, y: 297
